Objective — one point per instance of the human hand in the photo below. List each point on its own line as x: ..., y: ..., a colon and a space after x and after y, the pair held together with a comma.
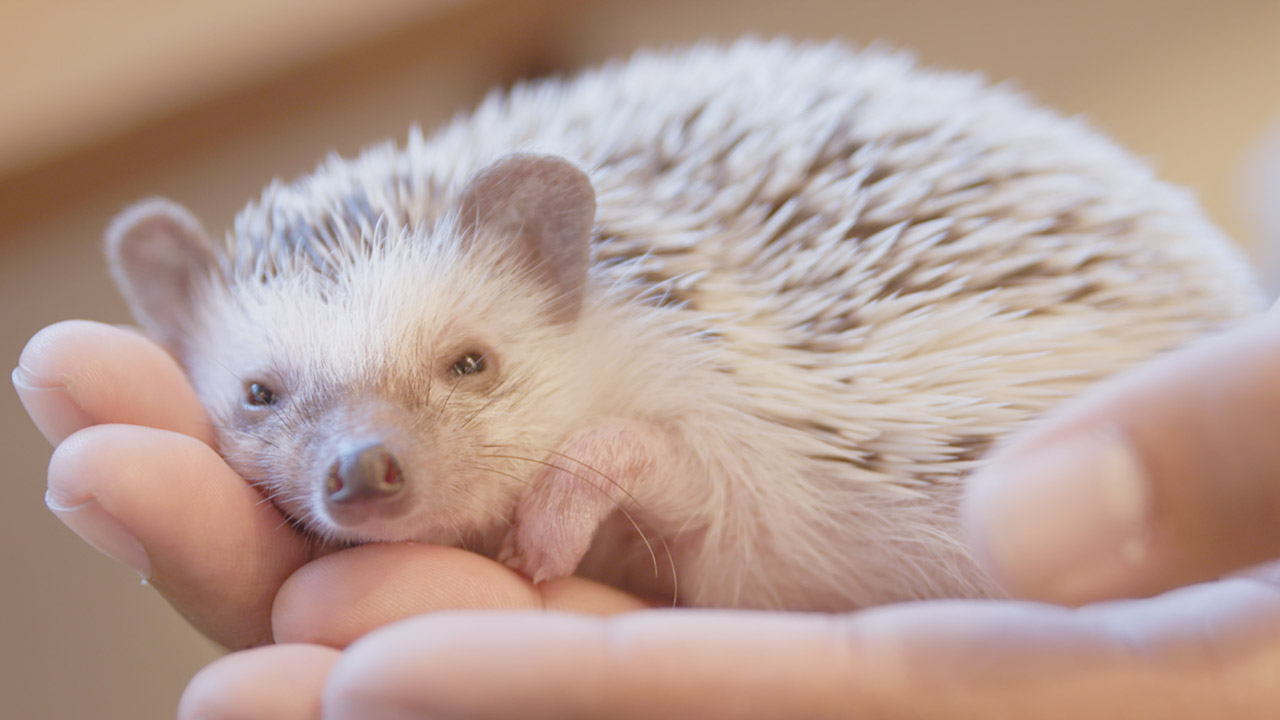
x: 134, y: 473
x: 1190, y: 433
x: 1209, y: 650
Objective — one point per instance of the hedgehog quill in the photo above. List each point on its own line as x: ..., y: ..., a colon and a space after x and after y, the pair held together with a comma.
x: 731, y: 322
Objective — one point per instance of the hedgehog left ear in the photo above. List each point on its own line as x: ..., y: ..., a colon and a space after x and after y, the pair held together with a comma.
x: 544, y: 207
x: 158, y: 254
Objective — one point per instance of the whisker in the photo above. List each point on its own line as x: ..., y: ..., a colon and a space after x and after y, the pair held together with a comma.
x: 476, y: 414
x: 597, y: 471
x: 612, y: 482
x: 517, y: 478
x: 224, y: 366
x: 532, y: 485
x: 247, y: 433
x: 490, y: 511
x: 448, y: 397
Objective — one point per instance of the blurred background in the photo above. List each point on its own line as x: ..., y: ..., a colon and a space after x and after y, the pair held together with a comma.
x: 105, y: 103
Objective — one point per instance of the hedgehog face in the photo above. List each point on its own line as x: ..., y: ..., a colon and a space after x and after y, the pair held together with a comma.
x: 398, y: 392
x: 397, y: 419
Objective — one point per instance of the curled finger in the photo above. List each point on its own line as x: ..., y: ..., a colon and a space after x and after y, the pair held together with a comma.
x: 278, y: 682
x: 78, y: 373
x: 341, y: 597
x: 1162, y: 477
x: 166, y: 505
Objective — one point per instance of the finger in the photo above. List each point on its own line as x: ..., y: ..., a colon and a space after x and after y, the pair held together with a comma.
x: 166, y: 505
x: 927, y: 660
x: 278, y: 682
x: 1207, y: 651
x: 1163, y: 477
x: 78, y: 373
x: 341, y: 597
x: 670, y: 664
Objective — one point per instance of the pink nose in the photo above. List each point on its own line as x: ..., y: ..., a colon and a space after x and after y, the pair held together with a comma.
x: 369, y: 473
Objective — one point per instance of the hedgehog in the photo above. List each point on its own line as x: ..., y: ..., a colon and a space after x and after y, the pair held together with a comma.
x: 730, y: 325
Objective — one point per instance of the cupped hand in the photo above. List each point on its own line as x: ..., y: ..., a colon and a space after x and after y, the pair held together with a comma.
x: 1183, y: 446
x: 135, y: 473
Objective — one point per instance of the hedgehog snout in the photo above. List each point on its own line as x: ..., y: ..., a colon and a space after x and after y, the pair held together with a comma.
x: 365, y: 481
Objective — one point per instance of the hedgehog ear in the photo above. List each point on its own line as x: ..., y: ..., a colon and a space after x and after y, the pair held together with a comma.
x: 542, y: 207
x: 158, y: 253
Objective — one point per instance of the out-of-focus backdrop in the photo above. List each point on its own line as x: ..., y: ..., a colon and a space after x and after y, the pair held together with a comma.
x: 104, y: 103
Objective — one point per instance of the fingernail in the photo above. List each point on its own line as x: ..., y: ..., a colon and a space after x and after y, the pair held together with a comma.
x: 50, y: 405
x: 1066, y: 524
x: 102, y: 530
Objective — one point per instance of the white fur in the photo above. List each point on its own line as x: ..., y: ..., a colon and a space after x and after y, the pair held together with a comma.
x: 832, y: 278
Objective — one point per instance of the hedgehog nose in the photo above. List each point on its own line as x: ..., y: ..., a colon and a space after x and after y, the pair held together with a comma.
x: 368, y: 473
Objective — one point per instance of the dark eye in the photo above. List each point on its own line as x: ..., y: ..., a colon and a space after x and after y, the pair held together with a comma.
x: 468, y: 364
x: 260, y: 395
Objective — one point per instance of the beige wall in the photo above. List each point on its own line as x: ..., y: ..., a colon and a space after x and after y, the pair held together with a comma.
x: 1186, y: 83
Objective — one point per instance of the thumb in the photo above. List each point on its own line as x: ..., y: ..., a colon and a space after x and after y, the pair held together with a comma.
x: 1161, y: 477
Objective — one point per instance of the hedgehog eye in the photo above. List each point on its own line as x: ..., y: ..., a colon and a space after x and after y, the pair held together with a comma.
x: 260, y: 395
x: 470, y: 364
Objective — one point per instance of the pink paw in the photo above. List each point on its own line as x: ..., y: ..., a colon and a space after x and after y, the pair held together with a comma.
x: 592, y: 477
x: 531, y: 561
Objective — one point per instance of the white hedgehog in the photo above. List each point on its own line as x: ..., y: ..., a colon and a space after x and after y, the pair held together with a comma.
x: 732, y: 323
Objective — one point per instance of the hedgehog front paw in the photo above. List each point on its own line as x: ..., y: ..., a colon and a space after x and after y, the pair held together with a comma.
x: 536, y: 559
x: 592, y: 476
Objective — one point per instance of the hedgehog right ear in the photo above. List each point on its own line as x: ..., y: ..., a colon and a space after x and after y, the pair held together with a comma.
x: 541, y: 207
x: 157, y: 253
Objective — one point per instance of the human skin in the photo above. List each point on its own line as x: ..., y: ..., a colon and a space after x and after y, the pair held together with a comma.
x: 1154, y: 485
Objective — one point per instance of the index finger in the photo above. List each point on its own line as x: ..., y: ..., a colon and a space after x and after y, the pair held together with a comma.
x: 78, y: 373
x: 1164, y: 476
x: 135, y: 475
